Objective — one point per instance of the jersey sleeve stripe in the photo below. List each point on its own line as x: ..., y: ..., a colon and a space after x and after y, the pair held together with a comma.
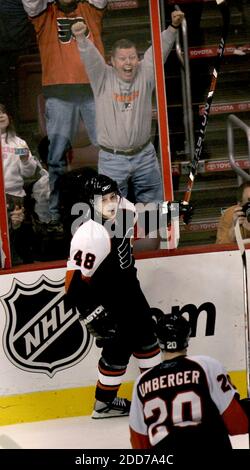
x: 68, y: 279
x: 139, y: 441
x: 109, y: 372
x: 235, y: 419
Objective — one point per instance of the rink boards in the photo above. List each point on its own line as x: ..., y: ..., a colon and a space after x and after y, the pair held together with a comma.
x: 48, y: 362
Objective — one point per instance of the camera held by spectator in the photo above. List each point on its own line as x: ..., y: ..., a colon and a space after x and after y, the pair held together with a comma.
x: 246, y: 210
x: 239, y: 212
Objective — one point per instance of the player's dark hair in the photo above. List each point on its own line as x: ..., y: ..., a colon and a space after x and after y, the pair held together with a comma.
x: 10, y: 131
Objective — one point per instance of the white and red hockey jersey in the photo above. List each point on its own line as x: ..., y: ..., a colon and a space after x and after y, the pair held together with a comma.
x: 101, y: 263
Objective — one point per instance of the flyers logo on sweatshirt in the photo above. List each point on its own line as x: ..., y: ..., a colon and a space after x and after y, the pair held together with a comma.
x: 64, y: 28
x: 126, y: 100
x: 42, y: 332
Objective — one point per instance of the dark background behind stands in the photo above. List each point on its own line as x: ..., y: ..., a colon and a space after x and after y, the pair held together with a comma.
x: 16, y: 37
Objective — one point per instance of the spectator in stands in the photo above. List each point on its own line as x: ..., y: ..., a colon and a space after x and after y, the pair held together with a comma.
x: 40, y: 190
x: 18, y: 163
x: 40, y: 194
x: 21, y: 234
x: 48, y: 245
x: 225, y: 231
x: 17, y: 159
x: 66, y: 86
x: 123, y: 95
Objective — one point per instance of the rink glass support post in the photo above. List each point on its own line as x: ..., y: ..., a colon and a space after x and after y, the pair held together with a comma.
x: 241, y: 245
x: 5, y: 255
x: 155, y: 20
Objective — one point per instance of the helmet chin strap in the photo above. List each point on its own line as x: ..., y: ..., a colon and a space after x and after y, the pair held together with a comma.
x: 67, y: 8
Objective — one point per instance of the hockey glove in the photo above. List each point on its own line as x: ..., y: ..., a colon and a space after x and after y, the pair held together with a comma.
x: 169, y: 210
x: 99, y: 323
x: 186, y: 211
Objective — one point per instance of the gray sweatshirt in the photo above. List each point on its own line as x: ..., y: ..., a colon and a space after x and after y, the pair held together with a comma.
x: 123, y: 109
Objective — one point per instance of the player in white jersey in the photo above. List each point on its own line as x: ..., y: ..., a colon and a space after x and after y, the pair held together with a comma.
x: 101, y: 281
x: 187, y: 403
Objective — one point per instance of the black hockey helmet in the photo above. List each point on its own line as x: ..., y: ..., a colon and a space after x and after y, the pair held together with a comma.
x: 99, y: 185
x: 173, y: 332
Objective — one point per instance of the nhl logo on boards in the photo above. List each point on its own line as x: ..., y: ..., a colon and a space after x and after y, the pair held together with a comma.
x: 42, y: 332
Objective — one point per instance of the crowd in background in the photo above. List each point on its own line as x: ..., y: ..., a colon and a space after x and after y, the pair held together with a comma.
x: 40, y: 214
x: 114, y: 103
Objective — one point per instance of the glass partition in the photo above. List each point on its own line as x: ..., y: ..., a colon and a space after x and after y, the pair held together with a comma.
x: 26, y: 114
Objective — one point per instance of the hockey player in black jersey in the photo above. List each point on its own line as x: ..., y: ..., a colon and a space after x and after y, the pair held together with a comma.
x: 186, y: 404
x: 101, y: 281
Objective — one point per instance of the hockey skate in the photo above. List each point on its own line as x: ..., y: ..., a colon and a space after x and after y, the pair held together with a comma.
x: 116, y: 408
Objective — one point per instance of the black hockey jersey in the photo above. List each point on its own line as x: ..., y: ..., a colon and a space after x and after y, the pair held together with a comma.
x: 179, y: 405
x: 100, y: 269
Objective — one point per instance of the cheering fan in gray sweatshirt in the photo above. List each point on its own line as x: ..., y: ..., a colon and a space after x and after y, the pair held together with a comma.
x: 123, y: 98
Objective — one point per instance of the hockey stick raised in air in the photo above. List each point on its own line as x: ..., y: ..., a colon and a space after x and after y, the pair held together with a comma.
x: 241, y: 245
x: 223, y: 6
